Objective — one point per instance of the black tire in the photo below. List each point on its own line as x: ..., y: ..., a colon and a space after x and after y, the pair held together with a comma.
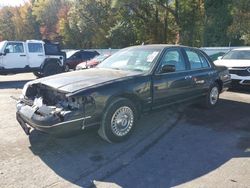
x: 66, y: 69
x: 112, y: 128
x: 38, y: 74
x: 212, y: 96
x: 51, y: 69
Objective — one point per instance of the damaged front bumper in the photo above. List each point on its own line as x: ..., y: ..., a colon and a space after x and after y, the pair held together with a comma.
x: 51, y: 111
x: 60, y: 128
x: 55, y: 120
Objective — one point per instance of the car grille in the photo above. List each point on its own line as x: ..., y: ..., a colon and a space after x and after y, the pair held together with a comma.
x: 240, y: 71
x: 246, y: 82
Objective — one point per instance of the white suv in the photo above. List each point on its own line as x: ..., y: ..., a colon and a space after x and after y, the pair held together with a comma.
x: 238, y: 63
x: 41, y: 57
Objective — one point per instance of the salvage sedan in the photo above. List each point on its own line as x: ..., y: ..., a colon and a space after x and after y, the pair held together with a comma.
x: 114, y: 94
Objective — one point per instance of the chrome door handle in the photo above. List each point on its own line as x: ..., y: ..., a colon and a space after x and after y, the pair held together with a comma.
x: 188, y: 77
x: 210, y: 73
x: 200, y: 81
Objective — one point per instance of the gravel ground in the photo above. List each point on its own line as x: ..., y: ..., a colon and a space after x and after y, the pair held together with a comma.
x: 181, y: 146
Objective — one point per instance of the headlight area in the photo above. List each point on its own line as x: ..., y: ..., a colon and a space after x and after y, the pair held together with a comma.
x: 48, y: 107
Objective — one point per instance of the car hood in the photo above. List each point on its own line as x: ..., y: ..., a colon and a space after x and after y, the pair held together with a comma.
x: 232, y: 63
x: 78, y: 80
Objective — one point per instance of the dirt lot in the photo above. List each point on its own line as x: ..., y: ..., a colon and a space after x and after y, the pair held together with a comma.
x: 175, y: 147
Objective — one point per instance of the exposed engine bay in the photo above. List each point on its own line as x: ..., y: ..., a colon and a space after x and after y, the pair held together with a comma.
x: 46, y: 106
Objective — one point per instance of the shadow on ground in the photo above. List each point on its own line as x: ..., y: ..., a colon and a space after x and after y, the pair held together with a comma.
x: 13, y: 84
x: 199, y: 144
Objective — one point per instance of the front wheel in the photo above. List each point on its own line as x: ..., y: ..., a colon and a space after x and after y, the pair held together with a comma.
x: 118, y: 120
x: 212, y: 96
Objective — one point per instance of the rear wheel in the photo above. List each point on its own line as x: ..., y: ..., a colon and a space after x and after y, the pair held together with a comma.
x: 212, y: 96
x: 66, y: 68
x: 51, y: 69
x: 118, y: 120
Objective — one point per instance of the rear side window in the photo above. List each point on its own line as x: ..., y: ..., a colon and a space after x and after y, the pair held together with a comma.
x: 88, y: 55
x: 35, y: 47
x: 197, y: 61
x: 52, y: 49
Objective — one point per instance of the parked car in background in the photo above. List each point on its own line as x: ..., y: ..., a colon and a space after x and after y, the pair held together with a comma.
x: 92, y: 63
x: 75, y: 57
x: 215, y: 56
x: 113, y: 95
x: 238, y: 63
x: 43, y: 58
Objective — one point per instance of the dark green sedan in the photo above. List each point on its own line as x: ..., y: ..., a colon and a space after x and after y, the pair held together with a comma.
x: 112, y: 96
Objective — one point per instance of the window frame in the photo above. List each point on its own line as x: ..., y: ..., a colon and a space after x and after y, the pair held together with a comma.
x: 199, y: 55
x: 35, y: 43
x: 158, y: 68
x: 13, y: 43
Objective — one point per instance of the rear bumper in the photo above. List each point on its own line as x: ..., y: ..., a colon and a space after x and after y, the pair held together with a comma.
x: 226, y: 85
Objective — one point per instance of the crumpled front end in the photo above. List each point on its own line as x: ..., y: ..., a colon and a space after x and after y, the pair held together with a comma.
x: 51, y: 111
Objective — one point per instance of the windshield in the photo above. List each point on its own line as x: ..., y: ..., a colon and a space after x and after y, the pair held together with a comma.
x: 237, y: 54
x: 134, y: 59
x: 1, y: 46
x: 70, y: 53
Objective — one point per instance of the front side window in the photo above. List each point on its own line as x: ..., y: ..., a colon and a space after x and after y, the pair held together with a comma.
x: 35, y: 47
x: 76, y: 56
x: 173, y: 57
x: 14, y: 47
x: 196, y: 60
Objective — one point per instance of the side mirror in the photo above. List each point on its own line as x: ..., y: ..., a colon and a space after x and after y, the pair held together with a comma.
x: 219, y: 58
x: 168, y: 68
x: 6, y: 51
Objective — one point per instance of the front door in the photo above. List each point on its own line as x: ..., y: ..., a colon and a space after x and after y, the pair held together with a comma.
x: 173, y: 86
x: 36, y: 54
x: 15, y: 56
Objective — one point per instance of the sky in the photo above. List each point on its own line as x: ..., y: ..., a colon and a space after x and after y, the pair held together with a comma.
x: 11, y: 2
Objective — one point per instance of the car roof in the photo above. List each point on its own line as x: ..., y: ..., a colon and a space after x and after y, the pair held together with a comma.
x: 159, y: 46
x: 241, y: 49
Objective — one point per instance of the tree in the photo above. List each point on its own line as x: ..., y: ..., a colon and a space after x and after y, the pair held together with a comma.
x: 7, y: 27
x: 217, y: 21
x: 90, y: 21
x: 239, y: 30
x: 45, y: 12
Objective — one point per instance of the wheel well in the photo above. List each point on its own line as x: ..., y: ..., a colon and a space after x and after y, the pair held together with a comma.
x: 133, y: 98
x: 50, y: 60
x: 220, y: 84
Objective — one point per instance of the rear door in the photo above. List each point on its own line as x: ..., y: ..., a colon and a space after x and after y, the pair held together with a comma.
x: 174, y: 86
x: 16, y: 56
x: 200, y: 70
x: 36, y: 54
